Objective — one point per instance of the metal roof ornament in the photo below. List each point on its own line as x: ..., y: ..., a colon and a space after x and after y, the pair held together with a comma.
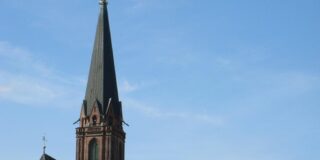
x: 44, y: 144
x: 103, y: 2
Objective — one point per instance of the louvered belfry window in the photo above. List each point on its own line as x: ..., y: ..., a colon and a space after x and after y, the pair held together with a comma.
x: 93, y: 150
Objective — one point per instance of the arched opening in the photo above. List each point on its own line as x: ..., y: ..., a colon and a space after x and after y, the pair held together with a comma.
x: 94, y: 120
x: 93, y: 150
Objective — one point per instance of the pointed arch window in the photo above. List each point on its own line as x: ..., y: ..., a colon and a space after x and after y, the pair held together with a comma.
x: 93, y: 150
x: 94, y: 120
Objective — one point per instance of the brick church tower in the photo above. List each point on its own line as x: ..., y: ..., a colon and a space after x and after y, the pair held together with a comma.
x: 100, y: 135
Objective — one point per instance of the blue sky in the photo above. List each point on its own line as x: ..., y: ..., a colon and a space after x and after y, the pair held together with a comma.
x: 208, y: 79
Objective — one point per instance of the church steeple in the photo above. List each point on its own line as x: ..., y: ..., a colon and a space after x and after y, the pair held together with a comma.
x: 100, y: 135
x: 44, y: 155
x: 102, y: 84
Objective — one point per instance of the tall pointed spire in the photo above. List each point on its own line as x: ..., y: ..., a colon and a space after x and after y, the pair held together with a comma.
x: 100, y: 134
x: 102, y: 83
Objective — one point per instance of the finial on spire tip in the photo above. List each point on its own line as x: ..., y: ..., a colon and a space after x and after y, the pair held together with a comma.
x: 103, y: 2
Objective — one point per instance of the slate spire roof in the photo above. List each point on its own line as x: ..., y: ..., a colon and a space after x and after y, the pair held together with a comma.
x: 46, y: 157
x: 102, y: 84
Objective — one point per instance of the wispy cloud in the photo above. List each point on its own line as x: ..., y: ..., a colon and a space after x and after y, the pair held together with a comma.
x: 154, y: 112
x: 4, y: 89
x: 26, y: 80
x: 255, y: 68
x: 290, y: 83
x: 20, y: 59
x: 140, y: 4
x: 128, y: 87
